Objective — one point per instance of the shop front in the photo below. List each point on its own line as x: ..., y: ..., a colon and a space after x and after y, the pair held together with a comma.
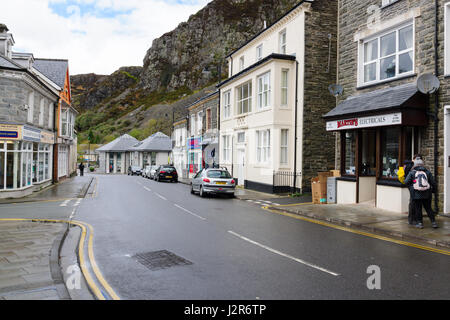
x: 25, y: 160
x: 378, y: 131
x: 195, y: 158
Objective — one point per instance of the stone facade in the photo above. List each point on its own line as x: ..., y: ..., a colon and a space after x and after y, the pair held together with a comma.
x: 320, y: 72
x: 15, y: 88
x: 353, y: 18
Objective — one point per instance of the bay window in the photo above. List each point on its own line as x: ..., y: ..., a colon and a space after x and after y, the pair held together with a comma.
x: 388, y: 56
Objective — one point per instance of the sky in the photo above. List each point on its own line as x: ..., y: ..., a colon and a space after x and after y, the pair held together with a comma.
x: 98, y: 36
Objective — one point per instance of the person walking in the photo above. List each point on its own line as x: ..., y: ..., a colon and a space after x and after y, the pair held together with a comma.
x: 403, y: 173
x: 422, y: 186
x: 81, y: 167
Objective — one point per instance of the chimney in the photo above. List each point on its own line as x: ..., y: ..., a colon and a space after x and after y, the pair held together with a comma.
x: 6, y: 41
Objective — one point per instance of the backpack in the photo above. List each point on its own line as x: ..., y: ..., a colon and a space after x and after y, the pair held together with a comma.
x: 421, y: 181
x: 401, y: 175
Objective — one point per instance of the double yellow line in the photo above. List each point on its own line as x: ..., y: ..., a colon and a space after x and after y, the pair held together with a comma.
x: 89, y: 279
x: 334, y: 226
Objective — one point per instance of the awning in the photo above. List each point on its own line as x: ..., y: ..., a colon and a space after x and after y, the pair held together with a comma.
x: 400, y: 105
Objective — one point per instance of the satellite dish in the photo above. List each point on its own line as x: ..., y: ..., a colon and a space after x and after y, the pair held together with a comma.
x: 428, y: 83
x: 336, y: 90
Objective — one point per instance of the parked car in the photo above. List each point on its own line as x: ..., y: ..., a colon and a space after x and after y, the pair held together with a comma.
x: 213, y: 181
x: 134, y: 170
x: 146, y: 171
x: 152, y: 171
x: 166, y: 172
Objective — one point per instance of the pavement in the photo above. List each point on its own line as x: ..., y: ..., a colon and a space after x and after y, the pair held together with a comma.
x: 366, y: 217
x: 35, y: 254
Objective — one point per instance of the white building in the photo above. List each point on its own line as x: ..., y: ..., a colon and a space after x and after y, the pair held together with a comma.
x: 268, y: 106
x: 179, y: 151
x: 114, y: 157
x: 155, y: 150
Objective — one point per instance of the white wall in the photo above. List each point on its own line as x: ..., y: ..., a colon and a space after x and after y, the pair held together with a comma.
x: 393, y: 198
x: 346, y: 192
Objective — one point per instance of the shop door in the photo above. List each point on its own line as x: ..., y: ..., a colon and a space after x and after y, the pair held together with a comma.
x: 240, y: 166
x: 367, y: 174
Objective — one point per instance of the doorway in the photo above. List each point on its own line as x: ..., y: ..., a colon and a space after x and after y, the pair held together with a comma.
x: 240, y: 166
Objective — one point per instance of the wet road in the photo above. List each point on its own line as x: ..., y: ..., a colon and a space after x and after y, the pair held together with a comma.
x: 232, y: 249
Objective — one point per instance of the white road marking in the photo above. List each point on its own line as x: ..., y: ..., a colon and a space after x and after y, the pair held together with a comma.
x: 77, y: 203
x: 285, y: 255
x: 148, y: 189
x: 160, y: 196
x: 64, y: 204
x: 191, y: 213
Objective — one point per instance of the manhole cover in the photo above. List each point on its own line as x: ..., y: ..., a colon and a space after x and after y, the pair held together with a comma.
x: 162, y: 259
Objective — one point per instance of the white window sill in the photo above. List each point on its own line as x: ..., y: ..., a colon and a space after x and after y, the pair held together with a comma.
x: 375, y: 83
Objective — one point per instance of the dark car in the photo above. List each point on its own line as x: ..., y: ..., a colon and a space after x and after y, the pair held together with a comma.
x: 166, y: 173
x: 134, y: 170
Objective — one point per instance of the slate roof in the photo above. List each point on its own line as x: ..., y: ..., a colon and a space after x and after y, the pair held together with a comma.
x: 156, y: 142
x: 8, y: 63
x: 377, y: 100
x: 121, y: 144
x: 54, y: 69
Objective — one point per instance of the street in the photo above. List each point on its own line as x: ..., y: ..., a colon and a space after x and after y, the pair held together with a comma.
x: 232, y: 249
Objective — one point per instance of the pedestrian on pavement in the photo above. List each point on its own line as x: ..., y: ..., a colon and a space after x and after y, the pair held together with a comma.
x: 423, y: 185
x: 402, y: 174
x: 81, y: 167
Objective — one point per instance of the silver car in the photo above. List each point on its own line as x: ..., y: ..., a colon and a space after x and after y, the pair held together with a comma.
x: 151, y: 172
x: 213, y: 181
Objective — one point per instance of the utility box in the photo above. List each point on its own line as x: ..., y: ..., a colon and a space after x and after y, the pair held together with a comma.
x: 331, y: 189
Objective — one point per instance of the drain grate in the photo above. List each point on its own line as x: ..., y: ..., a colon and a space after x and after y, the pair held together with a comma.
x: 163, y: 259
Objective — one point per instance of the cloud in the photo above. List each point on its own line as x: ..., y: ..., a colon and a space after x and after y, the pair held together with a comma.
x: 95, y: 35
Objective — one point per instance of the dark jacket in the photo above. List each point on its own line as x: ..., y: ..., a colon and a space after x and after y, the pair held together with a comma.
x: 416, y: 194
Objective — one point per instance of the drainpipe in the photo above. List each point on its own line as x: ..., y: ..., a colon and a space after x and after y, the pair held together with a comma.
x: 295, y: 124
x: 436, y: 108
x: 55, y: 145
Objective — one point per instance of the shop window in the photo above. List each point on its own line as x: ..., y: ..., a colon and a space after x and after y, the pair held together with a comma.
x: 390, y: 147
x: 350, y: 152
x: 368, y: 152
x: 2, y: 168
x: 411, y: 142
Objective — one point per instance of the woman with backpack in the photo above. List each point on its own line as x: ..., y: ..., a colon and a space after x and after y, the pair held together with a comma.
x: 422, y: 186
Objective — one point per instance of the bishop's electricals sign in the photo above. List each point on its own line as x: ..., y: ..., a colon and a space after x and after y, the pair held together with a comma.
x: 365, y: 122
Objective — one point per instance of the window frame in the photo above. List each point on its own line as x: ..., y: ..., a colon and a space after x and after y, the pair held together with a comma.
x: 259, y: 52
x: 361, y: 55
x: 263, y: 146
x: 226, y: 149
x: 446, y: 39
x: 227, y: 104
x: 284, y: 147
x: 241, y: 63
x: 241, y: 101
x: 284, y: 89
x: 282, y: 46
x: 260, y: 92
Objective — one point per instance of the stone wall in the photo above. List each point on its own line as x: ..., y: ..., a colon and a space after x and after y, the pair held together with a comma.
x: 353, y: 17
x: 318, y: 144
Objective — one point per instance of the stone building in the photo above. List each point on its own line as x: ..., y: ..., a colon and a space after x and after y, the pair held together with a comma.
x: 382, y: 119
x: 27, y: 122
x: 271, y: 104
x: 114, y: 157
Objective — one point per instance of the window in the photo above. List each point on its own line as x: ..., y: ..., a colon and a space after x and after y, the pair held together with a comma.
x: 387, y: 2
x: 208, y: 119
x: 284, y: 146
x: 244, y: 98
x: 30, y: 107
x: 284, y: 87
x: 350, y: 152
x: 259, y: 52
x: 226, y: 148
x: 264, y: 91
x: 390, y: 146
x: 263, y: 146
x: 192, y: 124
x: 282, y: 42
x: 388, y: 56
x: 227, y: 104
x: 241, y: 63
x: 64, y: 122
x: 241, y: 137
x: 447, y: 39
x: 218, y: 174
x: 50, y: 115
x: 41, y: 113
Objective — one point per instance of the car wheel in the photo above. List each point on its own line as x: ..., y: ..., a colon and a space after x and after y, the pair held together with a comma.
x: 231, y: 195
x: 202, y: 193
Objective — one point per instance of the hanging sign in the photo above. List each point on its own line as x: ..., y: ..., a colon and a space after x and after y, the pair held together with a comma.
x: 365, y: 122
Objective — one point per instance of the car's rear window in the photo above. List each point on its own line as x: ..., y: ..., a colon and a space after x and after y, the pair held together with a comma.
x: 169, y: 169
x: 220, y: 174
